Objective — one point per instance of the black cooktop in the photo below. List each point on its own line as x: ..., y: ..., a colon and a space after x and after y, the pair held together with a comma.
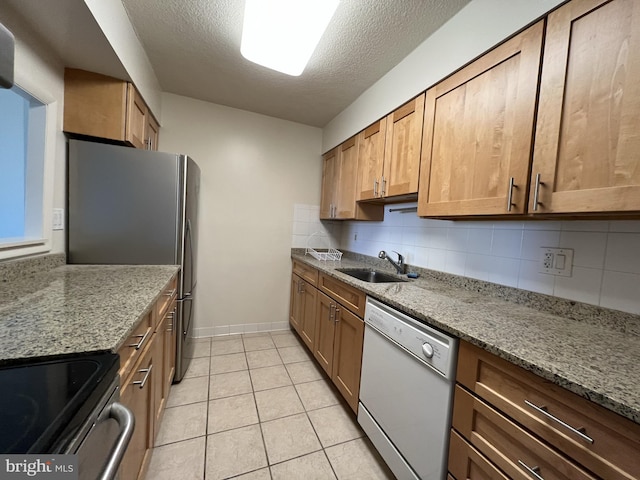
x: 43, y: 403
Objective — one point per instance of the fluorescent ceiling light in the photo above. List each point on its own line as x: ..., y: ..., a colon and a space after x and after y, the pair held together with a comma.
x: 282, y: 34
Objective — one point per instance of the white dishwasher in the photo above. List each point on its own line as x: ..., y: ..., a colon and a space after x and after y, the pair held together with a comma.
x: 406, y: 391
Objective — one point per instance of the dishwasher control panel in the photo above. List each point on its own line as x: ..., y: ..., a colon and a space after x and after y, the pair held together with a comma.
x: 427, y: 344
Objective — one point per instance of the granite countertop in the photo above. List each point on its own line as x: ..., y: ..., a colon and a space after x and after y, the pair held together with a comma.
x: 594, y: 355
x: 74, y: 309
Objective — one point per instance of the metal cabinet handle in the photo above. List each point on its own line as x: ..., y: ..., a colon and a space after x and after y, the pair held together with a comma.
x: 171, y: 293
x: 126, y: 420
x: 146, y: 377
x: 384, y: 187
x: 533, y: 471
x: 512, y: 185
x: 301, y: 287
x: 580, y: 432
x: 170, y: 327
x: 375, y: 187
x: 536, y: 193
x: 336, y: 317
x: 143, y: 338
x: 332, y: 311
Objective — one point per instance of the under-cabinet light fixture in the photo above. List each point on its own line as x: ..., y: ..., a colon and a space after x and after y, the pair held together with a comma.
x: 282, y: 34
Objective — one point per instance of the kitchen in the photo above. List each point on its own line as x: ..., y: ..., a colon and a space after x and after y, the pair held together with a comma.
x: 277, y: 152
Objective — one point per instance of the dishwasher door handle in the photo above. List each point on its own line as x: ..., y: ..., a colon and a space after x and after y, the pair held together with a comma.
x: 126, y: 420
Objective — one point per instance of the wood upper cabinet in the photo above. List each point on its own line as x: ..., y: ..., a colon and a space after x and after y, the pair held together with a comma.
x: 403, y: 141
x: 105, y: 107
x: 587, y: 147
x: 339, y: 186
x: 478, y: 132
x: 330, y: 179
x: 371, y: 160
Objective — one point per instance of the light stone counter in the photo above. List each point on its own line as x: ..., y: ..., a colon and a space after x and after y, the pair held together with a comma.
x: 590, y: 351
x: 73, y: 309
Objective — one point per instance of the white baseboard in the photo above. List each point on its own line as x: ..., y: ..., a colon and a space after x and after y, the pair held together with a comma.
x: 242, y: 328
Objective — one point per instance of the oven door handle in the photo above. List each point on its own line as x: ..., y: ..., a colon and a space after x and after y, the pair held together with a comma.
x: 126, y: 420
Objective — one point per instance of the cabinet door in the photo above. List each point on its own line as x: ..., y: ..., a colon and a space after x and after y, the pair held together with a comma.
x: 308, y: 313
x: 138, y: 397
x: 402, y: 149
x: 136, y: 118
x: 152, y: 130
x: 347, y: 355
x: 587, y: 147
x: 325, y: 329
x: 329, y: 183
x: 371, y: 160
x: 347, y: 179
x: 466, y: 462
x: 478, y: 131
x: 295, y: 303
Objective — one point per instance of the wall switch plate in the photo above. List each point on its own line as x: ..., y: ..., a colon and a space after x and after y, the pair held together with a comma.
x: 556, y: 261
x: 58, y: 218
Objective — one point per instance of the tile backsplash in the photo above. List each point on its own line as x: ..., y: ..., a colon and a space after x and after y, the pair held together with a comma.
x: 606, y: 262
x: 308, y: 230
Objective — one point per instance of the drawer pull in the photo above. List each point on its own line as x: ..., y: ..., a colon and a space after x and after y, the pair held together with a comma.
x: 533, y: 471
x: 336, y: 317
x: 171, y: 293
x: 147, y: 371
x: 578, y: 431
x: 142, y: 338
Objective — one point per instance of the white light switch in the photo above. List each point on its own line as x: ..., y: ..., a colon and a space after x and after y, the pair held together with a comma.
x: 58, y: 218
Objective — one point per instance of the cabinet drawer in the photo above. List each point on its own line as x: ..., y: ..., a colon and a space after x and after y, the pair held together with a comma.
x: 167, y: 296
x: 348, y: 296
x: 135, y: 344
x: 306, y: 272
x: 613, y: 452
x: 466, y: 462
x: 511, y: 448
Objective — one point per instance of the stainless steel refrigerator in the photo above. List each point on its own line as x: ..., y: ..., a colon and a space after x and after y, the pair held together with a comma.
x: 136, y: 207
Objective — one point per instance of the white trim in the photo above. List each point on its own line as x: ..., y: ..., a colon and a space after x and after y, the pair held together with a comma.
x: 224, y: 330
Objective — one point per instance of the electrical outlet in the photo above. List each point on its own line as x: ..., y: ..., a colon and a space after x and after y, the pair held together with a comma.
x: 58, y: 219
x: 556, y: 261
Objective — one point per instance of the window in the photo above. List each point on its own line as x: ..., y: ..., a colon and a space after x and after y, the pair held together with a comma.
x: 22, y: 167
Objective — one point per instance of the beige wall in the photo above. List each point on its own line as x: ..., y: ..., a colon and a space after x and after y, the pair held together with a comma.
x: 40, y: 72
x: 254, y: 170
x: 475, y: 29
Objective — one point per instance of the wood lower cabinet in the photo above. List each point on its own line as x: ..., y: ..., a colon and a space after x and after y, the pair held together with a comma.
x: 330, y: 326
x: 478, y: 132
x: 147, y: 366
x: 105, y: 107
x: 137, y: 394
x: 586, y: 156
x: 517, y: 420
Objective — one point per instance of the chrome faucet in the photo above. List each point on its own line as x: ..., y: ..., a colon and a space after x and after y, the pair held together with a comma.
x: 399, y: 265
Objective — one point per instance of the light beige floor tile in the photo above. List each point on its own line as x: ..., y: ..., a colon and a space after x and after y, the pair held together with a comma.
x: 228, y: 363
x: 227, y: 347
x: 313, y: 466
x: 317, y: 394
x: 178, y: 460
x: 357, y: 460
x: 269, y: 377
x: 189, y: 390
x: 225, y: 338
x: 258, y: 342
x: 182, y: 423
x: 202, y: 339
x: 229, y: 384
x: 294, y: 354
x: 302, y: 372
x: 256, y: 334
x: 263, y: 358
x: 262, y: 474
x: 278, y: 402
x: 232, y: 412
x: 201, y: 349
x: 234, y: 452
x: 282, y: 332
x: 335, y: 425
x: 286, y: 340
x: 198, y: 367
x: 289, y: 437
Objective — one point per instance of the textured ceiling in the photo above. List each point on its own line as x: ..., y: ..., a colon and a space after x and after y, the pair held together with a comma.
x: 194, y: 47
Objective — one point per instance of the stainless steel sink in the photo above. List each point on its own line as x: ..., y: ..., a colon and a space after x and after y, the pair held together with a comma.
x: 371, y: 276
